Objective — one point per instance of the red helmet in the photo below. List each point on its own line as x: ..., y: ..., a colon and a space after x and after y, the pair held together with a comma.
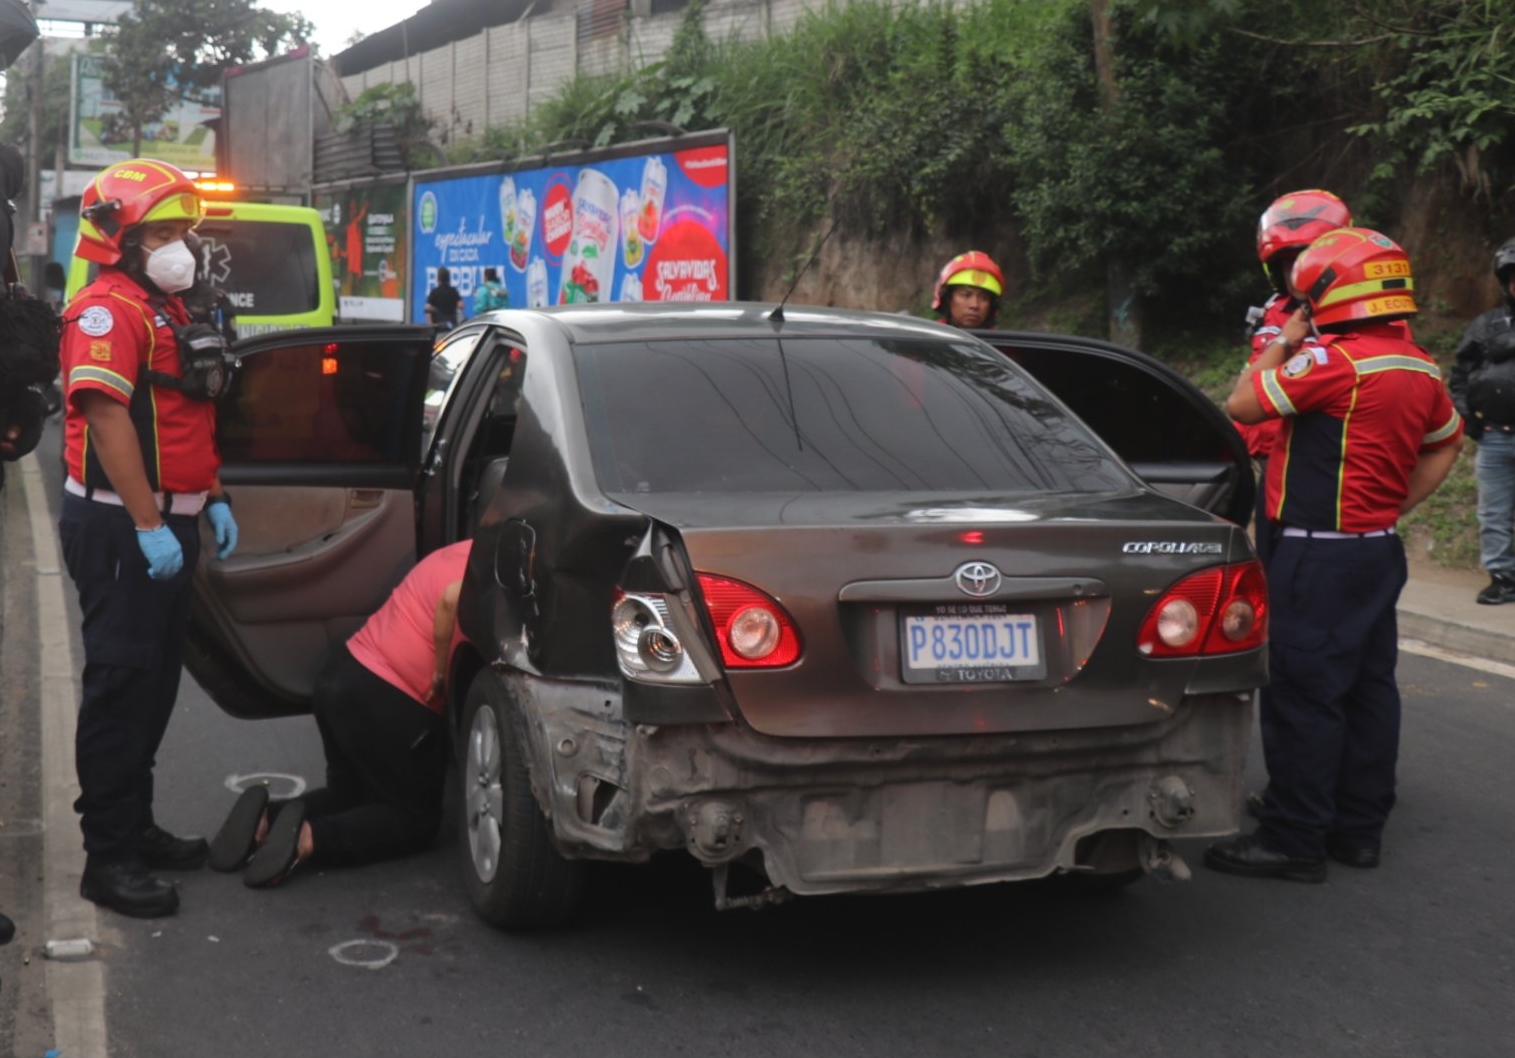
x: 1298, y: 219
x: 126, y: 195
x: 1355, y: 274
x: 972, y: 269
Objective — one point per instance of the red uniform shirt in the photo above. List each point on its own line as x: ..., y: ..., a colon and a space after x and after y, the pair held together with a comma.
x: 1358, y: 413
x: 1261, y: 436
x: 112, y: 331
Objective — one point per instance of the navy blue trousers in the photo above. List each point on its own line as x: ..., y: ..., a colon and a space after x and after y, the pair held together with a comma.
x: 133, y: 632
x: 1330, y: 715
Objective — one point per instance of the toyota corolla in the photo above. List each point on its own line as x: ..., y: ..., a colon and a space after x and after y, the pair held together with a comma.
x: 832, y: 601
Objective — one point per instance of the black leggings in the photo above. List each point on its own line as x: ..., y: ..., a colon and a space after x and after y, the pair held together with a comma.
x: 385, y: 768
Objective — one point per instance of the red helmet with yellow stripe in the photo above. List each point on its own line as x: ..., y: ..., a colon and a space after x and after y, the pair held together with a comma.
x: 1353, y: 275
x: 128, y: 194
x: 972, y: 269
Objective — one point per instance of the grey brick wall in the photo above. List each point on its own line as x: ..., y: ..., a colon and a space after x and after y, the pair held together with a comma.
x: 496, y: 77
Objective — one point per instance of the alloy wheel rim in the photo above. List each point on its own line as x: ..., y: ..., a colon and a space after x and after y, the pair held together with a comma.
x: 484, y: 795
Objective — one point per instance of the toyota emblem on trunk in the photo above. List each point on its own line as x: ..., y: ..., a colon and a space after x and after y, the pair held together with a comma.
x: 978, y: 579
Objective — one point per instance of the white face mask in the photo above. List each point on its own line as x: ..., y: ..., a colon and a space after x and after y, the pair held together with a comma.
x: 171, y: 267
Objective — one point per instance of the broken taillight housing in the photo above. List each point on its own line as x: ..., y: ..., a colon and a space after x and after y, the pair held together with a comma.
x: 647, y: 647
x: 1220, y: 610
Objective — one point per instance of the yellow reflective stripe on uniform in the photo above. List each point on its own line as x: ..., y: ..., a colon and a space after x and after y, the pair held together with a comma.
x: 1402, y: 285
x: 152, y: 396
x: 1281, y: 402
x: 102, y: 375
x: 1442, y: 434
x: 1374, y: 364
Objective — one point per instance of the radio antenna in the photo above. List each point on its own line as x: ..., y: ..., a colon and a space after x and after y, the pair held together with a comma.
x: 777, y: 315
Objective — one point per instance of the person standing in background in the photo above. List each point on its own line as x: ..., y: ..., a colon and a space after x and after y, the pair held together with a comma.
x: 1483, y: 388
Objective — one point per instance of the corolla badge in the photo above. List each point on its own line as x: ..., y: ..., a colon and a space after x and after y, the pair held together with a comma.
x: 978, y: 579
x: 1170, y: 547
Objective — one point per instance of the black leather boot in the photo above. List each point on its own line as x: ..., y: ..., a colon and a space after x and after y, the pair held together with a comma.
x: 125, y: 886
x: 161, y: 851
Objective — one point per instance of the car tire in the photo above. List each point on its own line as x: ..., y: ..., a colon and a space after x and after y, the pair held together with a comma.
x: 516, y: 879
x: 1082, y: 883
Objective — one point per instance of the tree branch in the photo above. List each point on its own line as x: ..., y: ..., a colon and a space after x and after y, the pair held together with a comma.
x: 1313, y: 43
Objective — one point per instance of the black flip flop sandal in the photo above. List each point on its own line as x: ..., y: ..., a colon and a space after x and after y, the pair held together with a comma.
x: 279, y: 854
x: 236, y: 841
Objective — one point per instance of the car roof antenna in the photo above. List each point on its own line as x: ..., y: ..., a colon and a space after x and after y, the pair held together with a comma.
x: 777, y: 315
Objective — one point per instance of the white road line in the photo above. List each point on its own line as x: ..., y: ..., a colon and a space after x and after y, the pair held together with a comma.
x: 1426, y: 650
x: 75, y: 990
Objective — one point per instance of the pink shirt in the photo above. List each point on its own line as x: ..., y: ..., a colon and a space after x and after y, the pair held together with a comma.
x: 396, y: 643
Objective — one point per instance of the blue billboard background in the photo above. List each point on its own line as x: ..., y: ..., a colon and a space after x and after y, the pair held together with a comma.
x: 646, y: 227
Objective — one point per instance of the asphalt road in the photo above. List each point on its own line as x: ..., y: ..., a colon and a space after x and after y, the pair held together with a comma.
x: 1412, y: 959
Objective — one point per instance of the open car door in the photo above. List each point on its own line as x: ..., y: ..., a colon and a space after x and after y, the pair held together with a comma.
x: 1165, y: 428
x: 321, y: 443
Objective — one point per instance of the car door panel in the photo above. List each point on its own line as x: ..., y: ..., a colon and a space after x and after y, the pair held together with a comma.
x: 1165, y: 428
x: 321, y: 445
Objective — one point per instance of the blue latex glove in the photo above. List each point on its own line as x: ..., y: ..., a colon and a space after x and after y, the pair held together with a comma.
x: 161, y: 549
x: 225, y: 526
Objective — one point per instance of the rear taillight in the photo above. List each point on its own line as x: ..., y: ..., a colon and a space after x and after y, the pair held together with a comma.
x: 1221, y: 610
x: 753, y: 630
x: 647, y: 646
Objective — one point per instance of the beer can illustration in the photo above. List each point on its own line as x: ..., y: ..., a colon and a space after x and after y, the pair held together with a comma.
x: 526, y: 222
x: 632, y: 246
x: 589, y: 264
x: 508, y: 218
x: 654, y: 184
x: 631, y: 288
x: 536, y: 284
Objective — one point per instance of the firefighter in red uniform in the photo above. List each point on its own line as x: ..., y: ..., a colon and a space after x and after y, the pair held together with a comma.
x: 1369, y: 431
x: 968, y: 291
x: 1286, y: 227
x: 139, y: 443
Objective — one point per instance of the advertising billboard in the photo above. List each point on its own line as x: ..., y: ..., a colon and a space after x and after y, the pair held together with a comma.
x: 641, y: 222
x: 99, y: 133
x: 368, y: 233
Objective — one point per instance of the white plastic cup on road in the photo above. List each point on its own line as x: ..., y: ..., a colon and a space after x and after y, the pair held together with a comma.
x: 69, y: 948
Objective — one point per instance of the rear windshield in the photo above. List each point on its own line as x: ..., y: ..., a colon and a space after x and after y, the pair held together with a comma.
x: 828, y: 414
x: 267, y: 269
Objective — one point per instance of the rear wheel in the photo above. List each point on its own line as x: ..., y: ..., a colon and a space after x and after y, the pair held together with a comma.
x: 515, y: 878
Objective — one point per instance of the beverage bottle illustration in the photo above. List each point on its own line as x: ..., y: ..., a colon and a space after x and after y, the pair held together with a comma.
x: 526, y: 222
x: 654, y: 184
x: 589, y: 264
x: 631, y: 239
x: 536, y: 284
x: 508, y: 218
x: 631, y: 289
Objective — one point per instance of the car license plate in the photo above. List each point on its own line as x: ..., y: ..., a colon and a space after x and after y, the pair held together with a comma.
x: 970, y: 643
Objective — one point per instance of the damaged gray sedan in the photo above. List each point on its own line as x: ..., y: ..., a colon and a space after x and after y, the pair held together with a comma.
x: 834, y: 602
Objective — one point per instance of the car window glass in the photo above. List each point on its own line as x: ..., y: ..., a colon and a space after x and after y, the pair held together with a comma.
x: 332, y: 403
x: 266, y: 268
x: 1138, y: 413
x: 441, y: 381
x: 823, y: 414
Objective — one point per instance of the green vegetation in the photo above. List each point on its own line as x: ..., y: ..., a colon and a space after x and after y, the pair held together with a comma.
x: 398, y: 106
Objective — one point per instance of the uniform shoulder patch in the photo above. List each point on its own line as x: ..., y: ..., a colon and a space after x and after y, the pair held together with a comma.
x: 1298, y: 366
x: 100, y: 349
x: 96, y: 321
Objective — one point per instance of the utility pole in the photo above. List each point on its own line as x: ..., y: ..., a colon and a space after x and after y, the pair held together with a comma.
x: 34, y: 161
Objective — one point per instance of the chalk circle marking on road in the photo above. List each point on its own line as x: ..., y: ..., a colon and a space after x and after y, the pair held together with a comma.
x: 364, y: 954
x: 281, y: 787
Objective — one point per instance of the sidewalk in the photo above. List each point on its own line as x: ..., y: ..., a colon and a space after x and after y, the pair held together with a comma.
x: 1437, y: 608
